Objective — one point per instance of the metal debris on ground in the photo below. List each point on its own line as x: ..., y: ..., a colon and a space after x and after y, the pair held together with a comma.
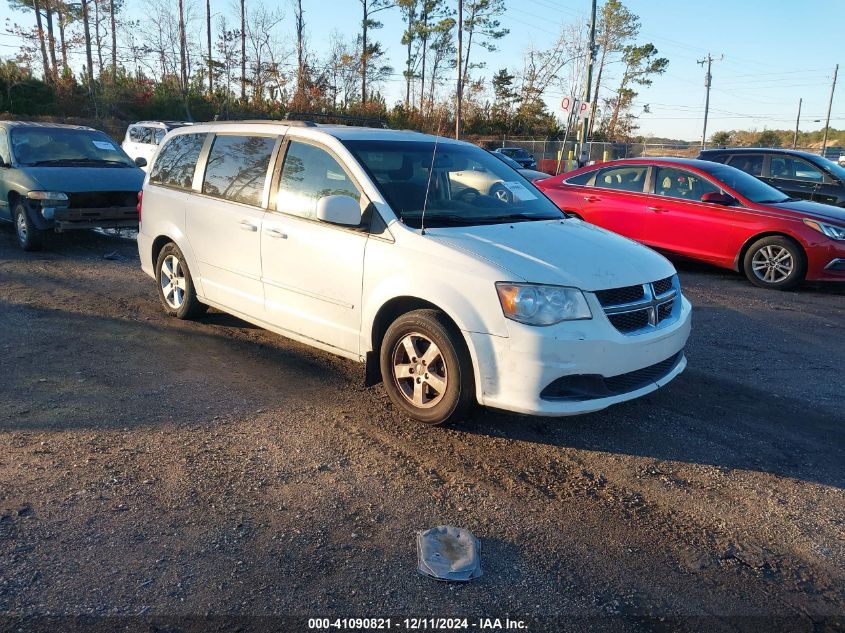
x: 448, y: 553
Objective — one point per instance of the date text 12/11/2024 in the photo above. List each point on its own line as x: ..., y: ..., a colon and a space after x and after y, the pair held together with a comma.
x: 417, y: 624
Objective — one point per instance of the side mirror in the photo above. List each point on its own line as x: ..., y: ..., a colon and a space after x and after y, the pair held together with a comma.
x: 717, y: 197
x: 141, y: 161
x: 342, y: 210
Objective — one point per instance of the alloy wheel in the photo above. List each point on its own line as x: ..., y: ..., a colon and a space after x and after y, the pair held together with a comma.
x: 772, y: 264
x: 20, y: 226
x: 419, y: 370
x: 172, y: 280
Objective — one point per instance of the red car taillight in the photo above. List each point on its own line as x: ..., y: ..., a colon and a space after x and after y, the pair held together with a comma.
x: 138, y: 206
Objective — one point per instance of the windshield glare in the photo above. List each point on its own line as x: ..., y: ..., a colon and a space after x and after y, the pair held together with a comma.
x: 834, y: 168
x: 460, y: 185
x: 33, y: 146
x: 744, y: 184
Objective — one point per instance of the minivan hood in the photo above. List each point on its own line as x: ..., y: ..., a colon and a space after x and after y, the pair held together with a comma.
x: 815, y: 210
x: 562, y: 252
x: 76, y: 179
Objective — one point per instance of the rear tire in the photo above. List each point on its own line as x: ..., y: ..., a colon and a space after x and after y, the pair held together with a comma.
x: 176, y: 286
x: 775, y: 262
x: 29, y: 237
x: 426, y: 368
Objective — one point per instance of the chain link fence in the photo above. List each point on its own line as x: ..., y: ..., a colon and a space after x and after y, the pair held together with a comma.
x: 553, y: 155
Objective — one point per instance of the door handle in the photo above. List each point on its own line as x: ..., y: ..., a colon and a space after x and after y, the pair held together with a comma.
x: 658, y: 209
x: 276, y: 234
x: 592, y: 198
x: 246, y: 225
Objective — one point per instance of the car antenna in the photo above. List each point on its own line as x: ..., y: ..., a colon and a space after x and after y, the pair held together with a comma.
x: 430, y: 174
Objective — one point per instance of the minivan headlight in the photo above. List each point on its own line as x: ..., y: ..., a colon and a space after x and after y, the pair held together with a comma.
x: 832, y: 231
x: 47, y: 197
x: 534, y: 304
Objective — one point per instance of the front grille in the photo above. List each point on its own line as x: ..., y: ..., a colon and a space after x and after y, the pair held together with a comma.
x: 662, y: 286
x: 635, y: 309
x: 615, y: 296
x: 629, y: 321
x: 580, y: 387
x: 102, y: 199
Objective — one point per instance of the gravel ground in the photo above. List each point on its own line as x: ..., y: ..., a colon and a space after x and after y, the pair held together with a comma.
x: 165, y: 476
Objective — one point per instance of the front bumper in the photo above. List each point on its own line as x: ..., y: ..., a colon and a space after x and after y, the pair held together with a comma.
x: 514, y: 370
x: 826, y: 261
x: 107, y: 217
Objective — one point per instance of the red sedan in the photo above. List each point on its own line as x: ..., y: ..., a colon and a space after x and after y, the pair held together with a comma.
x: 709, y: 212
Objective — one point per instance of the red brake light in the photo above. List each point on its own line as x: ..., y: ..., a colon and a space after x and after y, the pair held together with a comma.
x: 138, y: 206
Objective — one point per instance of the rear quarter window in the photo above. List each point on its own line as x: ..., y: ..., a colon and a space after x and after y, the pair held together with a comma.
x: 237, y: 168
x: 177, y: 161
x: 580, y: 179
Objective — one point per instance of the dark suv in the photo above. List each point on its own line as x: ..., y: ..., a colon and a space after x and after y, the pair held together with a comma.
x: 797, y: 174
x: 520, y: 155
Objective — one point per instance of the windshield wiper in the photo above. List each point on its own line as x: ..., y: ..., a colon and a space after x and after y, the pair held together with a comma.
x: 78, y: 161
x: 778, y: 201
x: 469, y: 220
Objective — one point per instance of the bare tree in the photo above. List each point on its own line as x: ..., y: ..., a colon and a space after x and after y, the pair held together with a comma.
x: 369, y: 50
x: 259, y: 34
x: 299, y: 23
x: 210, y: 61
x: 243, y: 51
x: 113, y: 18
x: 482, y: 26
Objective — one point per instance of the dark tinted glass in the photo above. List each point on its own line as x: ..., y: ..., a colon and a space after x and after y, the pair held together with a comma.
x: 749, y: 163
x: 458, y: 184
x: 65, y: 147
x: 744, y: 184
x: 677, y: 183
x: 790, y: 168
x: 623, y: 178
x: 580, y: 179
x: 177, y: 160
x: 237, y: 168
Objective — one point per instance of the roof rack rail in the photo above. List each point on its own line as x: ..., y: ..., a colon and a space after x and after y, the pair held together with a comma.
x: 267, y: 122
x: 347, y: 119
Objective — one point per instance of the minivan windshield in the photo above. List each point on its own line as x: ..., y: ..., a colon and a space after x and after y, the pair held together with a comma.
x: 457, y: 185
x: 65, y: 147
x: 745, y: 184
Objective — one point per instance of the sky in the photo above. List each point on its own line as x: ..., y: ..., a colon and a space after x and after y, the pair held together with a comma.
x: 767, y: 55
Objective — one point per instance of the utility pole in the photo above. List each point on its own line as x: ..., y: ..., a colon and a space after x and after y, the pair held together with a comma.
x: 797, y: 121
x: 707, y: 80
x: 829, y: 106
x: 591, y: 54
x: 459, y: 94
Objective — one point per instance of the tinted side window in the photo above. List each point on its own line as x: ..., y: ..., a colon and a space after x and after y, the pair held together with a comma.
x: 237, y: 168
x: 135, y: 134
x: 308, y: 174
x: 177, y: 161
x: 677, y: 183
x: 795, y: 169
x: 749, y: 163
x: 622, y: 178
x: 159, y: 136
x: 146, y: 135
x: 580, y: 179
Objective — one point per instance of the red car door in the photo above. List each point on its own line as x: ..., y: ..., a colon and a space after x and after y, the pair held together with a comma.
x: 678, y: 222
x: 617, y: 200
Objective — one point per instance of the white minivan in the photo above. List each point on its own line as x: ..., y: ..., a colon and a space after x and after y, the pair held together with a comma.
x: 365, y: 243
x: 143, y: 138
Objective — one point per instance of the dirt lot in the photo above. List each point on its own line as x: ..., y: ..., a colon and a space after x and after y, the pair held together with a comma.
x: 161, y: 475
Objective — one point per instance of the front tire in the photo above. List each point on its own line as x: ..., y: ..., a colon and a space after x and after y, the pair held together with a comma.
x: 29, y: 237
x: 176, y: 286
x: 426, y: 368
x: 775, y: 263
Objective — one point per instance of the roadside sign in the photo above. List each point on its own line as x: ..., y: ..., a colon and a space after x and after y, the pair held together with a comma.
x: 579, y: 108
x: 583, y: 109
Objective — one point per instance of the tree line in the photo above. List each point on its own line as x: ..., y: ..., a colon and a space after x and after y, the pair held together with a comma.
x: 190, y: 60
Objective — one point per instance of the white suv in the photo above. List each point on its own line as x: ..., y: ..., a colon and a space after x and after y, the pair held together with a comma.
x: 143, y: 138
x: 361, y: 242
